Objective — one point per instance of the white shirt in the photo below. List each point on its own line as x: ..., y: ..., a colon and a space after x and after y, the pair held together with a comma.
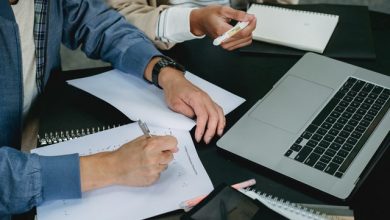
x: 174, y: 22
x: 24, y: 14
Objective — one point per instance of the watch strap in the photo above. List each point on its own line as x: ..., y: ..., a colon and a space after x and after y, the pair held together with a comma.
x: 164, y: 62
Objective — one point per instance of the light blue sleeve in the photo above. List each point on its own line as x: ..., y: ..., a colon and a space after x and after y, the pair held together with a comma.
x: 27, y: 180
x: 104, y: 34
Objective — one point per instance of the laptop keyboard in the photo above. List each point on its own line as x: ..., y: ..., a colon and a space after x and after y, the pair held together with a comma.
x: 335, y: 137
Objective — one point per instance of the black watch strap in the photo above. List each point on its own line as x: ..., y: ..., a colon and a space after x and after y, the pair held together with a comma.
x: 164, y: 62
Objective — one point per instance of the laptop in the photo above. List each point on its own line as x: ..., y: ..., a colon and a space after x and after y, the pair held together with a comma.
x: 324, y: 123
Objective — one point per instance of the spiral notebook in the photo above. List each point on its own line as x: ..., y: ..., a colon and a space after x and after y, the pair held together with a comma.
x: 304, y: 30
x: 54, y: 137
x: 295, y: 211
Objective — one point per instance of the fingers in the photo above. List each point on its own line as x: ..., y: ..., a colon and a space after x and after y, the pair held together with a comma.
x: 208, y: 115
x: 221, y: 121
x: 183, y: 108
x: 232, y: 45
x: 241, y: 39
x: 158, y: 144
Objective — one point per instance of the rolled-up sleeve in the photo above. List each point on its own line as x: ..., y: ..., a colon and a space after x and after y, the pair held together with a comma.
x: 27, y: 180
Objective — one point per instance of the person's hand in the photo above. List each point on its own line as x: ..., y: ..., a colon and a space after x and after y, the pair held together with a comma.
x: 214, y: 21
x: 184, y: 97
x: 136, y: 163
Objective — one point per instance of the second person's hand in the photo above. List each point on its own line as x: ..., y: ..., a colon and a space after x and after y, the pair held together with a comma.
x: 214, y: 21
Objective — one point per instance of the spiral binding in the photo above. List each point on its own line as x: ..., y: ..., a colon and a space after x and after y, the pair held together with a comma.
x: 294, y: 10
x: 61, y: 136
x: 286, y: 205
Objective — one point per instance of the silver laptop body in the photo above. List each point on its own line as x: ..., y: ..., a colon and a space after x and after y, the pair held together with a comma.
x: 267, y: 132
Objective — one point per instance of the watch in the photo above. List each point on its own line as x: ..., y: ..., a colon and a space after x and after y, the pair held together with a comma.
x: 164, y: 62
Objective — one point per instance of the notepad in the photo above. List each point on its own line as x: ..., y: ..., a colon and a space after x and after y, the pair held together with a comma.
x: 296, y: 211
x: 184, y: 178
x: 304, y: 30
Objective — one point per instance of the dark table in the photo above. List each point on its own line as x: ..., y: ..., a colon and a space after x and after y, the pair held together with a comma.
x: 250, y: 76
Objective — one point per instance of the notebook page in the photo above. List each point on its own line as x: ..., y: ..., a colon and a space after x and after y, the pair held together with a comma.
x: 184, y: 178
x: 298, y: 29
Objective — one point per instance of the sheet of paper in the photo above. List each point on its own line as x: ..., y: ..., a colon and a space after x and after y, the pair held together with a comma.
x: 138, y: 99
x: 184, y: 179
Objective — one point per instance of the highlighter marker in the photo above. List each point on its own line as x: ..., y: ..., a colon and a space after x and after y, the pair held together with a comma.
x: 239, y: 26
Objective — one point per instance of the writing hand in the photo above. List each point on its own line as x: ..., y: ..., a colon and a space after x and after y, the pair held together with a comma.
x: 136, y: 163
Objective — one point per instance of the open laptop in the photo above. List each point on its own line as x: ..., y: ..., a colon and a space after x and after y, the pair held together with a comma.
x: 320, y: 124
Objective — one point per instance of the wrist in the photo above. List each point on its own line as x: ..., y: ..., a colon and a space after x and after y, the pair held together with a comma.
x: 196, y: 22
x: 162, y: 64
x: 169, y: 76
x: 96, y: 171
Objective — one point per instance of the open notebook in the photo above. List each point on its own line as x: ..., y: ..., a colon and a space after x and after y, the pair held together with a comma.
x: 298, y: 29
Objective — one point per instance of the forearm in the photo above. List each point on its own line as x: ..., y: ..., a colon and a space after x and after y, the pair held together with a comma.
x: 28, y: 179
x: 95, y: 171
x: 142, y: 15
x: 105, y: 34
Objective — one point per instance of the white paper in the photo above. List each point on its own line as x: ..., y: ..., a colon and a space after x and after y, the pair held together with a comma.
x: 138, y: 99
x: 299, y: 29
x: 184, y: 179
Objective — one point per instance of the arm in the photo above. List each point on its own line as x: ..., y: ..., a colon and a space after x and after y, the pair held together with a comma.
x: 103, y: 33
x: 281, y: 1
x: 28, y: 179
x: 142, y: 15
x: 178, y: 24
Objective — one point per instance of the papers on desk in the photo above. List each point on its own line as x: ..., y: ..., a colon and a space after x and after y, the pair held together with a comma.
x: 185, y: 178
x: 138, y: 99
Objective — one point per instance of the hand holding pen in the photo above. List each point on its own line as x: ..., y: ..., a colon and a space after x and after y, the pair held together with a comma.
x: 141, y: 161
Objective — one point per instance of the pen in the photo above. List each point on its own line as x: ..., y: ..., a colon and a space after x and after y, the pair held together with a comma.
x: 187, y: 205
x: 239, y: 26
x: 144, y: 128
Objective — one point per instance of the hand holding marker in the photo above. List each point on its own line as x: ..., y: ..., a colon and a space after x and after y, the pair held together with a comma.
x: 239, y: 26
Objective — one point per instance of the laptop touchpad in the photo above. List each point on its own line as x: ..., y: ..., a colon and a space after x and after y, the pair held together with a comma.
x: 291, y: 104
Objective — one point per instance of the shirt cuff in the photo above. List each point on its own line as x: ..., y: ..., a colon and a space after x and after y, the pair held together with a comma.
x: 60, y: 177
x: 174, y: 25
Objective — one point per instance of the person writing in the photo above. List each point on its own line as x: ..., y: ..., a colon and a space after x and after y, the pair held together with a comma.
x: 30, y: 37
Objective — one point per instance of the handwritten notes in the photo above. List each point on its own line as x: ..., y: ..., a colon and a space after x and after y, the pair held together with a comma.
x: 185, y: 178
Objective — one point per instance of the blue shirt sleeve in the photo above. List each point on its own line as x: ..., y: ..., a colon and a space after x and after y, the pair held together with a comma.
x: 104, y: 34
x: 27, y: 180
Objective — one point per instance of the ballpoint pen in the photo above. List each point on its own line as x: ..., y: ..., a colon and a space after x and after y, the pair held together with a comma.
x: 144, y: 128
x: 239, y: 26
